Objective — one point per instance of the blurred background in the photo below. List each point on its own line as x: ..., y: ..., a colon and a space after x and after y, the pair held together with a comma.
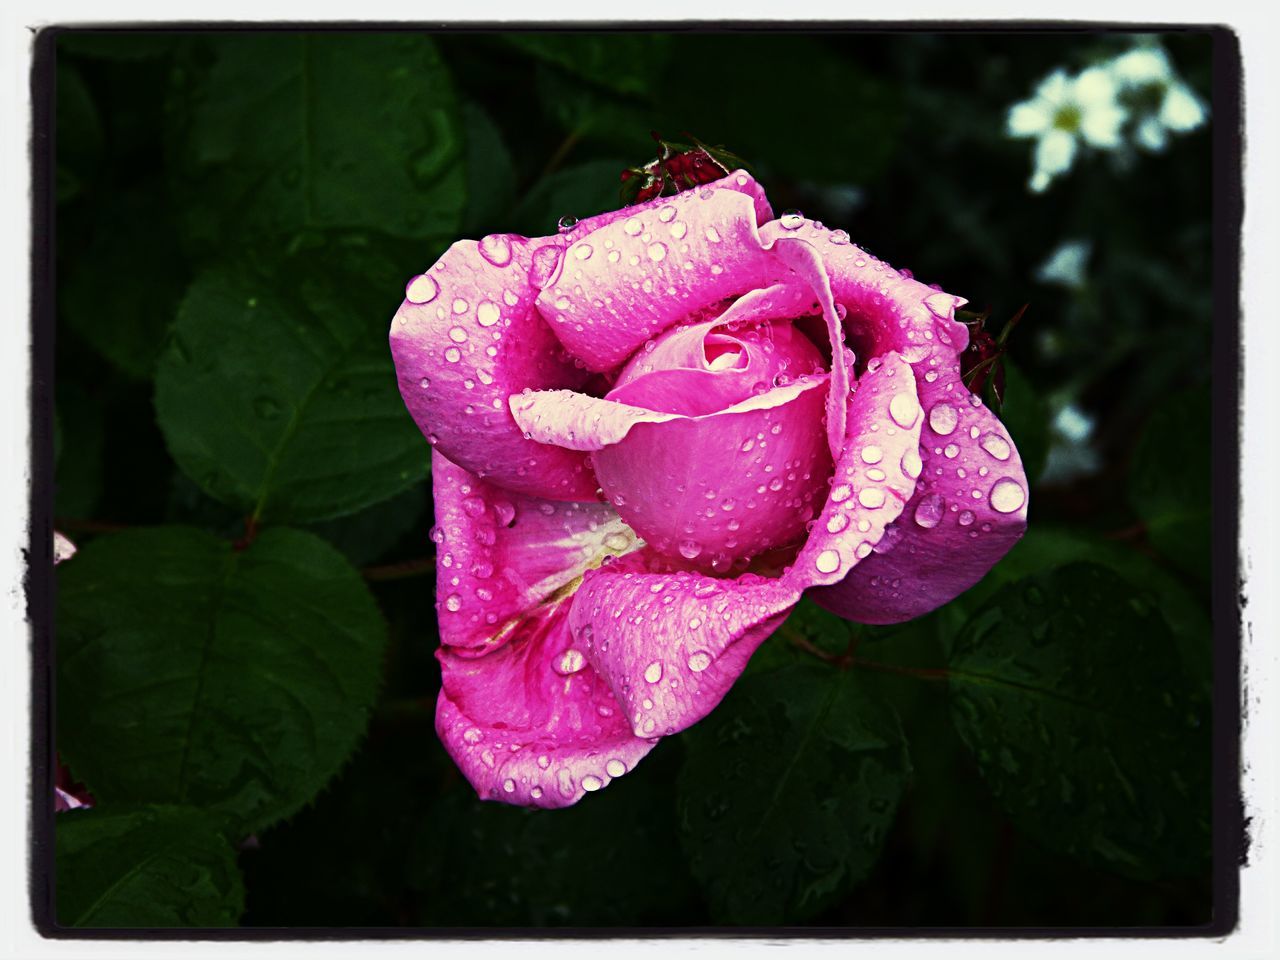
x: 1067, y: 172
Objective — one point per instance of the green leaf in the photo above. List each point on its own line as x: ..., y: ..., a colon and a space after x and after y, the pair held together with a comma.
x: 1025, y: 415
x: 78, y: 470
x: 487, y: 864
x: 79, y: 134
x: 280, y: 398
x: 365, y: 536
x: 121, y: 292
x: 295, y: 131
x: 120, y: 45
x: 191, y: 673
x: 490, y: 174
x: 787, y: 793
x: 145, y: 866
x: 1169, y: 482
x: 580, y: 191
x: 1069, y: 690
x: 626, y: 63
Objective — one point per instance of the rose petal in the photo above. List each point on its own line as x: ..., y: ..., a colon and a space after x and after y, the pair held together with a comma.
x: 501, y: 556
x: 635, y: 276
x: 968, y: 510
x: 466, y: 338
x: 533, y: 723
x: 874, y: 478
x: 671, y: 645
x: 63, y: 549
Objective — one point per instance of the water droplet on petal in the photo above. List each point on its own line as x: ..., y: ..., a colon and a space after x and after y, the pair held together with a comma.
x: 570, y: 663
x: 509, y: 785
x: 421, y: 289
x: 1007, y: 496
x: 872, y: 454
x: 712, y: 234
x: 632, y: 227
x: 699, y: 660
x: 911, y: 463
x: 487, y: 314
x: 940, y: 304
x: 460, y: 305
x: 615, y: 768
x: 689, y: 549
x: 904, y: 409
x: 591, y: 783
x: 453, y: 354
x: 828, y: 561
x: 657, y: 251
x: 496, y: 248
x: 653, y: 672
x: 841, y: 492
x: 667, y: 214
x: 929, y: 511
x: 996, y: 445
x: 791, y: 220
x: 966, y: 518
x: 837, y: 523
x: 871, y: 497
x: 943, y: 419
x: 458, y: 335
x: 583, y: 251
x: 453, y: 603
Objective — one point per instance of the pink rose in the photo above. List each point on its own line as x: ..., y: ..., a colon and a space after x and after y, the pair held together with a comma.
x: 652, y: 434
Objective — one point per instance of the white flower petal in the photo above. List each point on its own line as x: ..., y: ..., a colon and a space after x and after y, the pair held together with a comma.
x: 1142, y: 65
x: 1066, y: 264
x: 1151, y: 134
x: 1030, y: 118
x: 1055, y: 88
x: 1100, y: 125
x: 1039, y: 181
x: 1054, y: 152
x: 1181, y: 111
x: 1094, y: 87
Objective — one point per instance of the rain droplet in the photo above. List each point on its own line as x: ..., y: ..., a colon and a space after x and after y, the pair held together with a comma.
x: 872, y: 454
x: 699, y: 660
x: 570, y: 663
x: 460, y: 305
x: 841, y: 493
x: 591, y: 783
x: 679, y: 229
x: 567, y: 222
x: 583, y: 251
x: 424, y: 383
x: 496, y: 248
x: 837, y: 523
x: 911, y: 463
x: 487, y: 314
x: 689, y: 549
x: 453, y: 603
x: 667, y: 213
x: 546, y: 265
x: 712, y: 234
x: 657, y: 251
x: 453, y: 354
x: 996, y: 445
x: 615, y: 768
x: 871, y: 497
x: 950, y: 451
x: 929, y: 511
x: 458, y: 335
x: 421, y: 289
x: 839, y: 237
x: 791, y: 220
x: 632, y: 227
x: 617, y: 541
x: 943, y: 419
x: 828, y: 561
x: 653, y: 672
x: 509, y: 785
x: 904, y: 409
x: 1007, y: 496
x: 966, y: 518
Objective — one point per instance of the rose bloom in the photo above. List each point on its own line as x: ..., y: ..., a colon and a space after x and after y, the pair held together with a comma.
x: 651, y: 435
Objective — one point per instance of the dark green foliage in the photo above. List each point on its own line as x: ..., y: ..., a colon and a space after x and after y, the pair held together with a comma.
x: 787, y: 793
x: 237, y: 215
x: 146, y: 866
x: 192, y: 673
x: 1069, y: 689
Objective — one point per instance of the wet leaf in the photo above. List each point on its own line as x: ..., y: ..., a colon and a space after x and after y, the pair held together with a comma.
x: 145, y: 866
x: 787, y: 793
x: 191, y: 673
x: 1069, y: 690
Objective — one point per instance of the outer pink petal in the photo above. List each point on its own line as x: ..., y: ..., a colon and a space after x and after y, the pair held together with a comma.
x: 637, y: 275
x: 467, y: 337
x: 672, y: 644
x: 872, y: 481
x: 501, y: 556
x: 533, y: 724
x: 970, y: 504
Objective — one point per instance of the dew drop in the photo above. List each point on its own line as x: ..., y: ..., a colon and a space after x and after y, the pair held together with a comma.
x: 929, y: 511
x: 841, y: 492
x: 453, y: 603
x: 453, y: 354
x: 460, y: 305
x: 679, y: 229
x: 667, y: 213
x: 1007, y: 496
x: 632, y: 227
x: 615, y: 768
x: 487, y: 314
x: 837, y: 523
x: 699, y: 660
x: 496, y: 248
x: 570, y: 663
x: 689, y: 549
x: 791, y: 220
x: 458, y: 335
x: 421, y: 289
x: 583, y: 251
x: 872, y: 454
x: 911, y: 463
x: 591, y: 783
x: 871, y: 497
x: 950, y: 451
x: 996, y: 445
x: 653, y: 672
x: 509, y: 785
x: 828, y: 561
x: 904, y: 409
x: 943, y: 419
x: 657, y: 251
x: 966, y: 518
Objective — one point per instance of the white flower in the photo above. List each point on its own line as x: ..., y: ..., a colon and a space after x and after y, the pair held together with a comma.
x: 1142, y: 66
x: 1066, y: 265
x: 1062, y: 110
x: 1181, y: 111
